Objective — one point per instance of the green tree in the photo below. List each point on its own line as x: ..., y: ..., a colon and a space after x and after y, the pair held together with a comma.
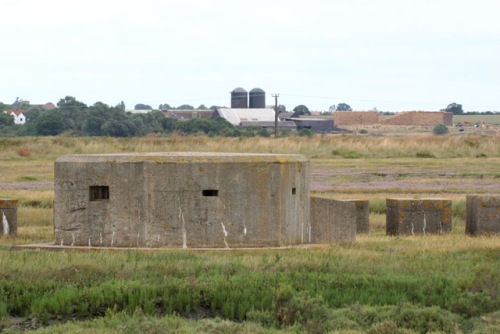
x: 6, y: 120
x: 92, y: 126
x: 202, y: 107
x: 118, y: 128
x: 151, y: 122
x: 300, y: 110
x: 281, y: 108
x: 454, y: 108
x: 72, y: 113
x: 169, y: 124
x: 69, y: 102
x: 33, y: 114
x: 343, y: 107
x: 217, y: 126
x: 3, y: 107
x: 49, y: 124
x: 121, y: 106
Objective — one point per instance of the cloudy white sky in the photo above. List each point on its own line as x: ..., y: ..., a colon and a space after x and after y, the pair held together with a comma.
x: 394, y: 55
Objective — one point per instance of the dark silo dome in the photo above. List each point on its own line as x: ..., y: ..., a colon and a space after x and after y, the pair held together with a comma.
x: 239, y: 90
x: 257, y: 98
x: 239, y: 98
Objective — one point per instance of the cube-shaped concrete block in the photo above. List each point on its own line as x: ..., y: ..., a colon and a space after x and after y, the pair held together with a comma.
x: 8, y: 216
x: 482, y: 214
x: 184, y: 200
x: 333, y: 221
x: 362, y: 216
x: 418, y: 216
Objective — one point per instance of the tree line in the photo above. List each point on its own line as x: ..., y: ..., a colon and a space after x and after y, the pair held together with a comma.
x: 75, y: 118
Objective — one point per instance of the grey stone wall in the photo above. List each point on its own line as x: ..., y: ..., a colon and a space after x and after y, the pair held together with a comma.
x: 362, y: 216
x: 333, y: 221
x: 482, y: 214
x: 181, y: 200
x: 418, y: 216
x: 8, y: 217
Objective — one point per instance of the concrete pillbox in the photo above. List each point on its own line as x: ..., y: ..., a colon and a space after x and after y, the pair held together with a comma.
x: 184, y: 200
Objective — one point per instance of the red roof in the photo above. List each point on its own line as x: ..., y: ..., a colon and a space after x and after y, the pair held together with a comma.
x: 16, y: 112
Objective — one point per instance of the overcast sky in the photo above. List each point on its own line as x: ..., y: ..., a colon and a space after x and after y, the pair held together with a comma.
x: 395, y: 55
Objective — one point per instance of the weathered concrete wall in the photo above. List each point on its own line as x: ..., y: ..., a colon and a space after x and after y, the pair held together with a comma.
x: 482, y: 214
x: 418, y: 216
x: 8, y: 217
x: 333, y: 221
x: 362, y: 216
x: 355, y: 118
x: 181, y: 200
x: 420, y: 118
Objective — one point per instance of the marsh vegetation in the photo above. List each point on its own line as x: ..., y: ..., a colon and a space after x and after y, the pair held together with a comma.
x: 434, y: 283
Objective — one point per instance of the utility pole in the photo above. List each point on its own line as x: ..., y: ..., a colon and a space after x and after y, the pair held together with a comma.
x: 276, y: 112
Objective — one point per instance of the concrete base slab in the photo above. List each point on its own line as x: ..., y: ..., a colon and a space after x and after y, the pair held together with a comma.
x: 50, y: 246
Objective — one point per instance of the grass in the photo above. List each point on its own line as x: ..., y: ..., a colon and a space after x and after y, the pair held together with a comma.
x: 488, y: 119
x: 448, y: 283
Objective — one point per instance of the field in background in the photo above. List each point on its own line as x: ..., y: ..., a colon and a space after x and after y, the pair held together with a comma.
x: 449, y: 283
x: 487, y: 119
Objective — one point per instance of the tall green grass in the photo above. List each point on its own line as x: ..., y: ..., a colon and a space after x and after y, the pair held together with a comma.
x: 458, y: 281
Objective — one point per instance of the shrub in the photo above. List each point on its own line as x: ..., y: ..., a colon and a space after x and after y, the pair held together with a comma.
x: 22, y: 152
x: 458, y: 208
x: 264, y: 133
x: 306, y: 133
x: 377, y: 206
x: 425, y: 154
x: 440, y: 129
x: 363, y: 131
x: 346, y: 153
x: 292, y: 308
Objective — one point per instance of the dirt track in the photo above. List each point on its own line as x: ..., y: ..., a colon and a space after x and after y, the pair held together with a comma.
x: 26, y: 185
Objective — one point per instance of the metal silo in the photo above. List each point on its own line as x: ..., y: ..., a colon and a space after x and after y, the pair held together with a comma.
x: 257, y: 98
x: 239, y: 98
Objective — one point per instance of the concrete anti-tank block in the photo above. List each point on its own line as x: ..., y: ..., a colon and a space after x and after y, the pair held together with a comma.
x: 482, y: 214
x: 184, y: 200
x: 418, y: 216
x: 8, y: 216
x: 362, y: 216
x: 333, y: 221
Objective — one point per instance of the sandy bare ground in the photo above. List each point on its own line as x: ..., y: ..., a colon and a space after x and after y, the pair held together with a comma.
x: 26, y: 185
x: 437, y: 182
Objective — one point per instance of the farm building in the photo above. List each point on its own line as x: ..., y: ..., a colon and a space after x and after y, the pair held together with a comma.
x: 237, y: 116
x: 188, y: 114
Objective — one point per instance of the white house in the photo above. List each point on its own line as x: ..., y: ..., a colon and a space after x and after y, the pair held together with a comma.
x: 19, y: 117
